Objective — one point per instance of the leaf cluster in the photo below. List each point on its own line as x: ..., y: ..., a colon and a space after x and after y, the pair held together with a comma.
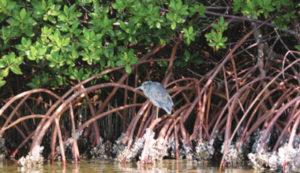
x: 70, y: 41
x: 74, y: 41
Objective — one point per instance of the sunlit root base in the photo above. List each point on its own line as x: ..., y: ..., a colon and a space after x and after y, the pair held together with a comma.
x: 148, y: 150
x: 204, y: 151
x: 234, y: 156
x: 128, y: 155
x: 287, y: 158
x: 33, y: 159
x: 153, y: 149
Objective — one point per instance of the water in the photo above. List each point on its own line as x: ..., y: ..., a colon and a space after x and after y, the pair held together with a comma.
x: 93, y: 166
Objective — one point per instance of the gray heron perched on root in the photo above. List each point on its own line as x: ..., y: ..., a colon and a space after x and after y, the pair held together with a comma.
x: 157, y: 95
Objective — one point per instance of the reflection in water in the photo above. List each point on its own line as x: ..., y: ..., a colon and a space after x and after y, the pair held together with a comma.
x: 93, y: 166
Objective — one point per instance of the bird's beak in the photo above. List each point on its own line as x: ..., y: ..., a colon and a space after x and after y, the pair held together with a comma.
x: 139, y: 88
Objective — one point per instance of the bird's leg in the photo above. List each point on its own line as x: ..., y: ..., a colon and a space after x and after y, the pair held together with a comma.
x: 157, y: 110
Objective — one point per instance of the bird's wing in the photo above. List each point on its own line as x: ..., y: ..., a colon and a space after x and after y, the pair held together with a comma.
x: 156, y: 97
x: 170, y: 100
x: 158, y: 92
x: 161, y: 96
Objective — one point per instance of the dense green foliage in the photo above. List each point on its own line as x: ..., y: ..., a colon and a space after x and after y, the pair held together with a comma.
x: 257, y: 8
x: 73, y: 40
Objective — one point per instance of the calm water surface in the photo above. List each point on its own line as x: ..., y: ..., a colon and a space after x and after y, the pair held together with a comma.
x: 91, y: 166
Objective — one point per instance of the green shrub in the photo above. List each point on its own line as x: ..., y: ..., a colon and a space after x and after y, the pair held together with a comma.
x: 72, y: 41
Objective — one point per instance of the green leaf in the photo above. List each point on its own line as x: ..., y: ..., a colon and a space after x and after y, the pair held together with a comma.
x: 215, y: 26
x: 42, y: 50
x: 2, y: 63
x: 31, y: 85
x: 11, y: 57
x: 173, y: 25
x: 33, y: 53
x: 25, y: 42
x: 59, y: 80
x: 3, y: 3
x: 16, y: 69
x: 23, y: 13
x: 127, y: 68
x: 66, y: 10
x: 158, y: 25
x: 201, y: 10
x: 191, y: 30
x: 221, y: 22
x: 5, y: 72
x: 134, y: 60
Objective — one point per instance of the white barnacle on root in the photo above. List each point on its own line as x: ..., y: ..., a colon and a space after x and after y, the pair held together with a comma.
x: 149, y: 152
x: 128, y: 154
x: 233, y: 156
x: 273, y: 161
x: 296, y: 162
x: 255, y: 161
x: 154, y: 149
x: 33, y: 159
x: 287, y: 157
x: 204, y: 151
x: 263, y: 159
x: 161, y: 149
x: 99, y: 152
x: 120, y: 138
x: 187, y: 150
x: 171, y: 147
x: 286, y: 154
x: 118, y: 147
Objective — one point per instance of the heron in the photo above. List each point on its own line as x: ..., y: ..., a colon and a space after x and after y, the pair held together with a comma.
x: 157, y: 95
